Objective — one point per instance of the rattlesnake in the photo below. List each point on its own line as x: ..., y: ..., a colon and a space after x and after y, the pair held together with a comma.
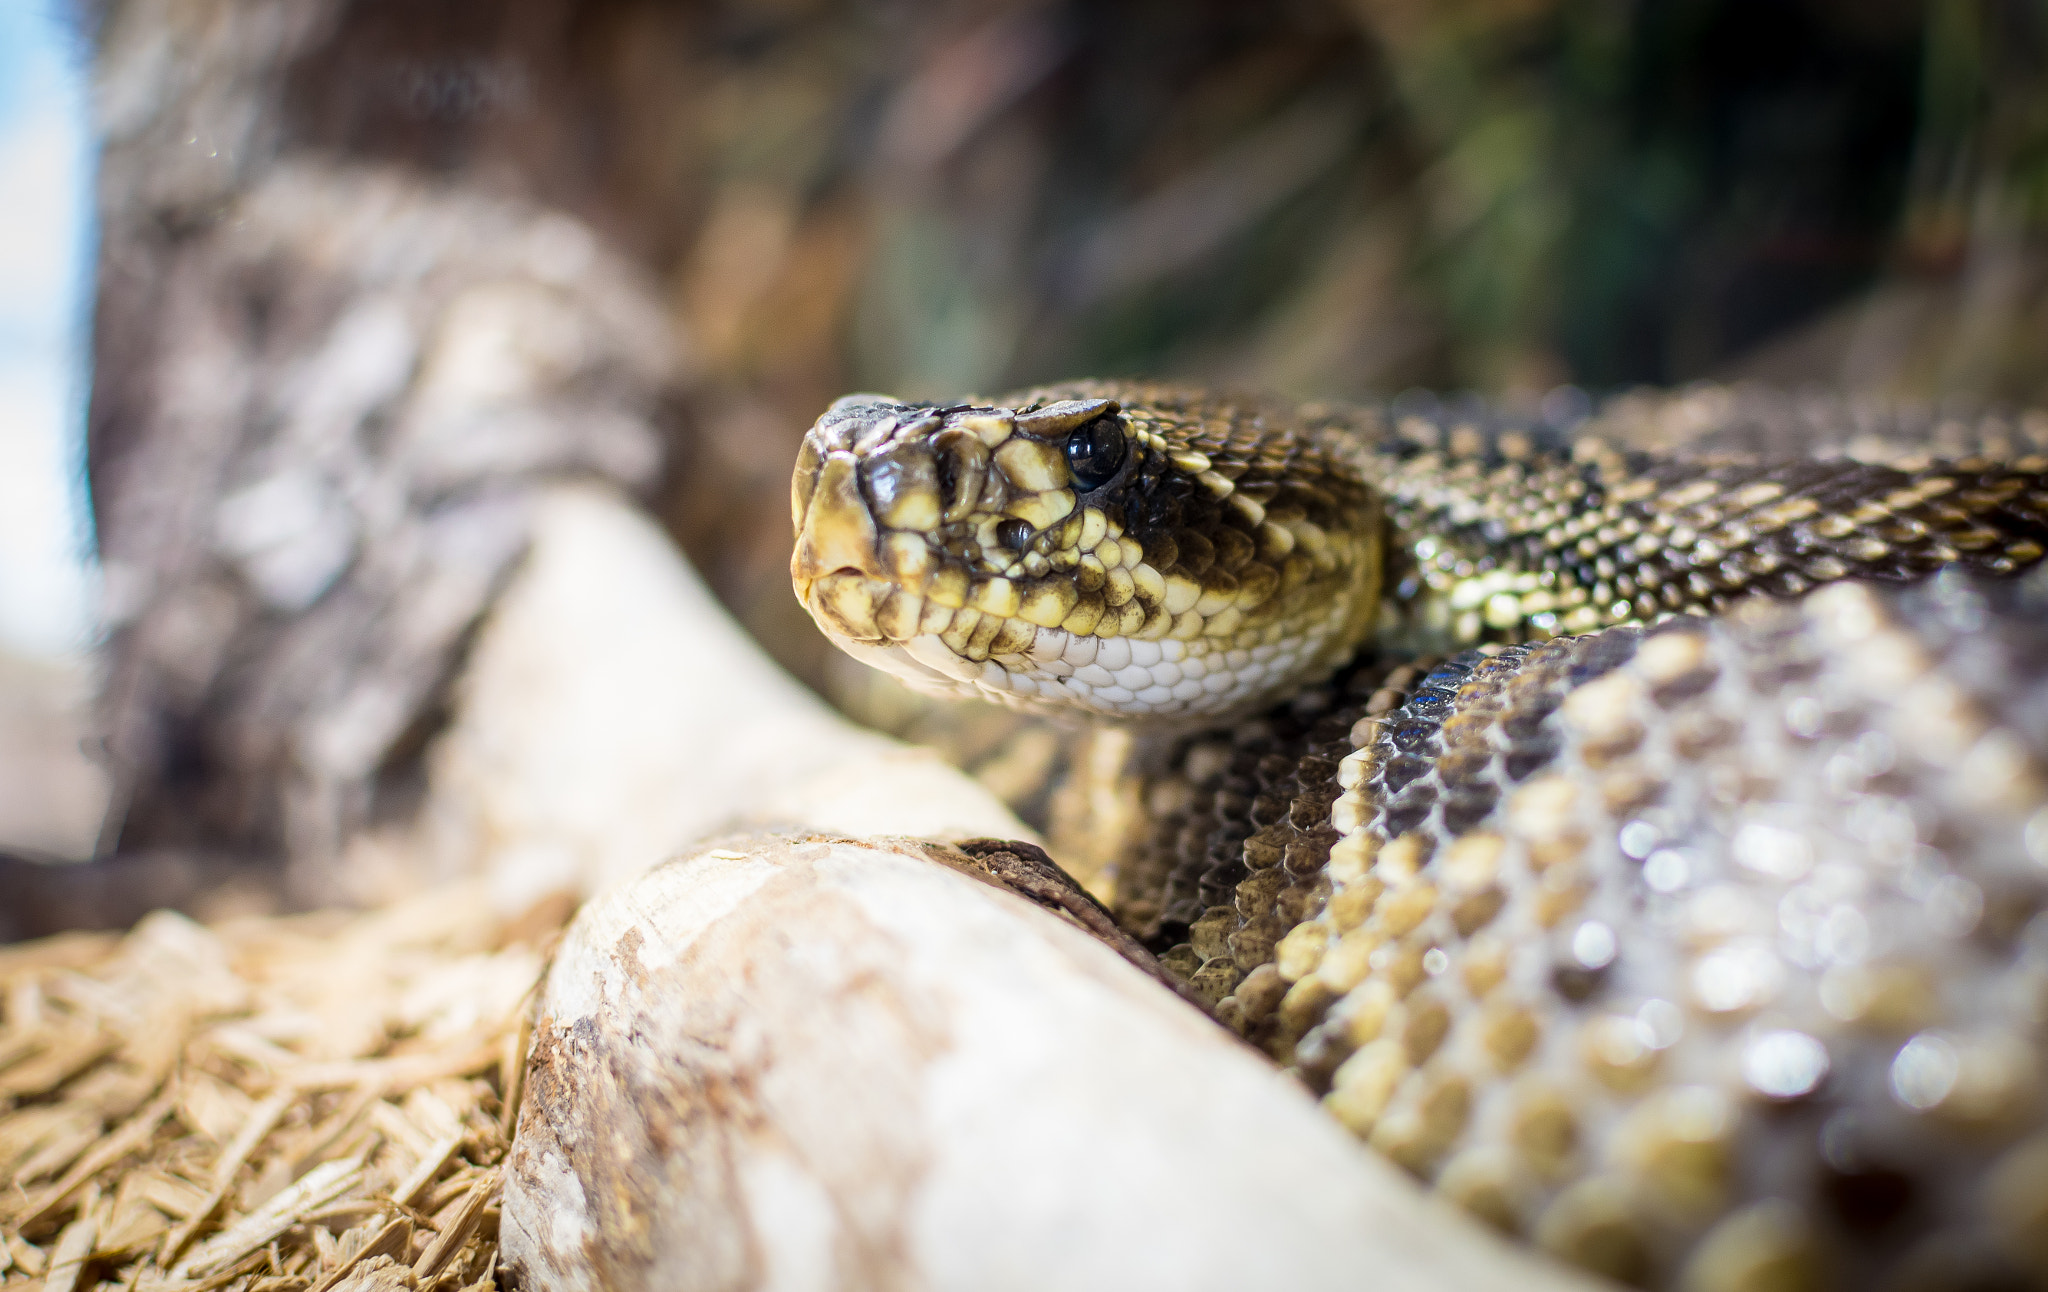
x: 1631, y: 824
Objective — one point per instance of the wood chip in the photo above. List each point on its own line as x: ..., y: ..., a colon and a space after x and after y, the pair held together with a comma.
x: 129, y: 1138
x: 27, y: 1256
x: 477, y: 1053
x: 512, y: 1070
x: 212, y: 1107
x: 380, y: 1275
x: 64, y: 1056
x: 391, y: 1243
x: 405, y: 1137
x: 320, y: 1186
x: 63, y: 951
x: 67, y: 1259
x: 17, y: 1043
x: 133, y: 1221
x: 320, y: 1142
x: 31, y: 1139
x: 458, y: 1230
x: 262, y: 1118
x: 431, y: 1164
x: 173, y: 1195
x: 76, y: 1135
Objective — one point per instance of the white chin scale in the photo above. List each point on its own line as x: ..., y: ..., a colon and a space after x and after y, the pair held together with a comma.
x: 1114, y: 677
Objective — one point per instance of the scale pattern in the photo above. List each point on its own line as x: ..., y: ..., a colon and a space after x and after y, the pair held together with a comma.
x: 1687, y: 504
x: 1666, y: 879
x: 1714, y: 955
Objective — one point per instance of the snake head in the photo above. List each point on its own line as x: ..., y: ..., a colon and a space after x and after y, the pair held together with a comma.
x: 1117, y: 550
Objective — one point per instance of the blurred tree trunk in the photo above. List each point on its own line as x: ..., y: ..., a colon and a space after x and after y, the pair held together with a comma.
x: 328, y: 382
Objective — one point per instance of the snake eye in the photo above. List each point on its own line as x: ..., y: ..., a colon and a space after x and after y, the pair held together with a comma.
x: 1014, y: 534
x: 1094, y: 452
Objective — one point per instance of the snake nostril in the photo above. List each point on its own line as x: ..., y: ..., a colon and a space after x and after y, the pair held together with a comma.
x: 962, y: 469
x: 903, y: 487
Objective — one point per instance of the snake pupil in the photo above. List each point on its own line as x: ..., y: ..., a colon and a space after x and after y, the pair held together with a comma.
x: 1094, y: 452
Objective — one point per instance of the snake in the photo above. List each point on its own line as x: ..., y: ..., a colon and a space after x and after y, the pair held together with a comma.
x: 1630, y: 821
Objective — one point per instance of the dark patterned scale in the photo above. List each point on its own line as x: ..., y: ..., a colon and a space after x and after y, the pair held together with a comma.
x: 1709, y: 953
x: 1670, y: 952
x: 1615, y: 525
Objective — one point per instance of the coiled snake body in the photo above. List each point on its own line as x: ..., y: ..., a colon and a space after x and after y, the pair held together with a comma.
x: 1635, y: 832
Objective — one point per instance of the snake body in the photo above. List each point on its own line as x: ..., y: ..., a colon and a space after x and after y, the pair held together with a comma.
x: 1632, y: 830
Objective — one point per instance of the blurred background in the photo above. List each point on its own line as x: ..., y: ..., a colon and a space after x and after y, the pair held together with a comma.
x: 369, y: 271
x: 51, y: 792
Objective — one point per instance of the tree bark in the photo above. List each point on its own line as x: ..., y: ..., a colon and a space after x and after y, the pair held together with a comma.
x: 327, y: 387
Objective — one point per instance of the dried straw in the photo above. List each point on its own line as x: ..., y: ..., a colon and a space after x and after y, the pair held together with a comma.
x: 305, y: 1102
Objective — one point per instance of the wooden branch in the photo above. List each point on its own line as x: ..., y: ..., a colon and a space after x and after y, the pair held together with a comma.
x: 811, y: 1062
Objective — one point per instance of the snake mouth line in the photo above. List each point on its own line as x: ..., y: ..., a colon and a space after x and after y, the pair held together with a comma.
x: 965, y: 652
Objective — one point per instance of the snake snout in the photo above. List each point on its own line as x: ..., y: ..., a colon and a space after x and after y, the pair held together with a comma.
x: 835, y: 529
x: 866, y: 483
x: 833, y: 510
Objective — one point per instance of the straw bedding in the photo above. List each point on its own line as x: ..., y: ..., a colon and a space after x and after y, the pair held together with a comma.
x: 315, y: 1101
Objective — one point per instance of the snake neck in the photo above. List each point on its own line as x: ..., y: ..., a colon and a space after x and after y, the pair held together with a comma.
x: 1495, y: 539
